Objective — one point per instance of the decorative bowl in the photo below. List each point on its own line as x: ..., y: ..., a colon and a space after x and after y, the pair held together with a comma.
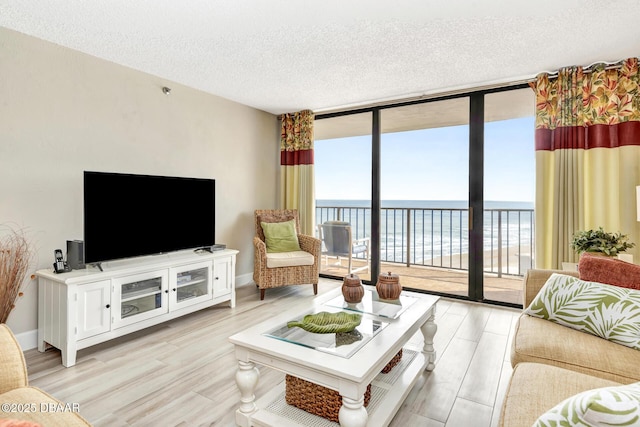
x: 328, y: 323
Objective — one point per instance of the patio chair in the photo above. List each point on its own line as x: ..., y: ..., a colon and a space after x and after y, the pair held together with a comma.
x: 338, y: 242
x: 292, y: 266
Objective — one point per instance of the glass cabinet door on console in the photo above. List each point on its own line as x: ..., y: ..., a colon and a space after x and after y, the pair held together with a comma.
x: 190, y: 284
x: 139, y: 297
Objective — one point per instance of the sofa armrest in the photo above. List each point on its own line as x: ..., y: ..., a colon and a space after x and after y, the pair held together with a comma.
x: 534, y: 280
x: 13, y: 369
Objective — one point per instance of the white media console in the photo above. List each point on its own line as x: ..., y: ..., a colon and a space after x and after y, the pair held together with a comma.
x: 85, y: 307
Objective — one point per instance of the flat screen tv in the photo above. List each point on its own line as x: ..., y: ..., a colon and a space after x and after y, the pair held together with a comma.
x: 128, y: 215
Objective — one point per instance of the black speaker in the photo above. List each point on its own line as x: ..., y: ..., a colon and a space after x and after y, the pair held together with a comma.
x: 75, y: 254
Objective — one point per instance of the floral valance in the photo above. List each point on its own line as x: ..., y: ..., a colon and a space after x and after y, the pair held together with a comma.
x: 598, y: 99
x: 296, y: 138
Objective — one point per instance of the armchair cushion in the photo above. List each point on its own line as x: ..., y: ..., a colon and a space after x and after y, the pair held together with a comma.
x: 280, y: 236
x: 289, y: 259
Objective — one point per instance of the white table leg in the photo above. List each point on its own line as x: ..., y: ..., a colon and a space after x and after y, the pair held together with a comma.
x: 429, y: 329
x: 247, y: 378
x: 352, y: 413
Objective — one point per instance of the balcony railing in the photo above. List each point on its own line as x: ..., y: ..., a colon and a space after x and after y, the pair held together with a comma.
x: 438, y: 237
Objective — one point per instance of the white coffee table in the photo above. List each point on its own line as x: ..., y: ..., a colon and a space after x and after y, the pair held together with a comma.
x: 350, y: 376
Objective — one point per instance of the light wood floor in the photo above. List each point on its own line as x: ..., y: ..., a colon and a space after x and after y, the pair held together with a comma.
x: 181, y: 373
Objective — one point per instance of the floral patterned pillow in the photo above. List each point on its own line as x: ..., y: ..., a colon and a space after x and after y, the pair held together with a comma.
x: 608, y: 406
x: 607, y: 311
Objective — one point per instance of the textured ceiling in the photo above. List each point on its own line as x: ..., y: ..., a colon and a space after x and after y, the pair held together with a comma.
x: 282, y: 56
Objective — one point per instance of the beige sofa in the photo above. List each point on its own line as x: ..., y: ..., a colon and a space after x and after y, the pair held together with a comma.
x: 552, y: 362
x: 19, y: 401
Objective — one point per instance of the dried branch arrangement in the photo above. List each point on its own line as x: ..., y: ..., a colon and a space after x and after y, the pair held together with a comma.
x: 15, y: 256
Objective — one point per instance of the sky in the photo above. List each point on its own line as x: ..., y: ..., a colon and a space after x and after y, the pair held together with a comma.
x: 430, y: 164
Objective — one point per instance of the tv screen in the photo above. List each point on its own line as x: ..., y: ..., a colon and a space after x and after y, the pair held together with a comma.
x: 129, y: 215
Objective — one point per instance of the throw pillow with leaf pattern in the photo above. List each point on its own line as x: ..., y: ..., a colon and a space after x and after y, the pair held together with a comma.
x: 608, y: 406
x: 607, y: 311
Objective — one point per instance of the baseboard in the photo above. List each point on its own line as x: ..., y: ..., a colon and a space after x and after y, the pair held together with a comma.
x: 28, y: 340
x: 243, y: 279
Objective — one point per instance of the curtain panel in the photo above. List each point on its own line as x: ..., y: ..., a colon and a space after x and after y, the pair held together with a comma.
x: 297, y: 185
x: 587, y: 142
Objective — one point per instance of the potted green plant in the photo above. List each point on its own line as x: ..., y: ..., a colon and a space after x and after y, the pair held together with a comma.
x: 600, y: 241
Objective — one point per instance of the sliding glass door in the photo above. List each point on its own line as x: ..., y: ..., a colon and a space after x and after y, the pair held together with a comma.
x: 424, y: 168
x: 509, y: 187
x: 342, y: 151
x: 439, y: 192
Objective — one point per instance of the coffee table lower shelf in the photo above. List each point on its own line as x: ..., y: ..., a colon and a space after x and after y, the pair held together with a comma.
x: 388, y: 392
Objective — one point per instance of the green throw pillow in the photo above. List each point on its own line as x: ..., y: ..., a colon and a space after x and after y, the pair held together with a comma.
x: 608, y: 406
x: 280, y: 236
x: 607, y: 311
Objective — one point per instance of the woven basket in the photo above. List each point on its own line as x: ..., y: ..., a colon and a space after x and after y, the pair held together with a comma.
x: 316, y: 399
x: 392, y: 363
x: 322, y: 401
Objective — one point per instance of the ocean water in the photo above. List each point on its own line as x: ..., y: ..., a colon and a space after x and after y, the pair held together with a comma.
x: 431, y: 229
x: 445, y: 204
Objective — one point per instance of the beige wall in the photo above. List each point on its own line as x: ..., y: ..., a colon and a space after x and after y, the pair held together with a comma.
x: 63, y: 112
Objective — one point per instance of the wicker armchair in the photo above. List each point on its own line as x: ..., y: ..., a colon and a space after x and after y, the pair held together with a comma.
x: 272, y: 277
